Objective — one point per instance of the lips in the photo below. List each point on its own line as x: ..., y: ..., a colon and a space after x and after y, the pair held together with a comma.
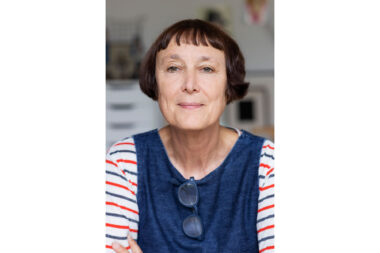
x: 186, y: 105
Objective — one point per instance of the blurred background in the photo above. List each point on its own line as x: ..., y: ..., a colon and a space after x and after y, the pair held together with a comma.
x: 133, y: 25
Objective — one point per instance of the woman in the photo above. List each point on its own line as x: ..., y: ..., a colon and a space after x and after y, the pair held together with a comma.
x: 194, y: 185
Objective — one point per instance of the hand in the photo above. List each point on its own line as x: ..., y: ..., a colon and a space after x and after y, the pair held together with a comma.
x: 132, y: 243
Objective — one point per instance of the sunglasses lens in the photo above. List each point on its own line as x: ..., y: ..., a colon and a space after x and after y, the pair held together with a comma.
x: 192, y: 226
x: 187, y: 194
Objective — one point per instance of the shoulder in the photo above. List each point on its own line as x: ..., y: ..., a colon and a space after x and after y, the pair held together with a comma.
x: 255, y: 141
x: 145, y: 134
x: 122, y: 155
x: 124, y: 152
x: 251, y: 137
x: 267, y: 150
x: 129, y: 143
x: 144, y: 137
x: 262, y: 146
x: 267, y: 155
x: 266, y: 164
x: 126, y: 145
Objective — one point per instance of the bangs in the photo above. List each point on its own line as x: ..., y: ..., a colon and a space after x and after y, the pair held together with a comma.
x: 192, y: 35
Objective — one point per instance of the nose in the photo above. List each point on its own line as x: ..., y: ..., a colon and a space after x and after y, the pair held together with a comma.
x: 190, y: 83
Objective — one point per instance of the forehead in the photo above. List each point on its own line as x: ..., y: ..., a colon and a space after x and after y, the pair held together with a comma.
x: 187, y: 49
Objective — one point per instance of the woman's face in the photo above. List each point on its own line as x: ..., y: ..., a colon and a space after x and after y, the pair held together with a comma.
x: 191, y: 85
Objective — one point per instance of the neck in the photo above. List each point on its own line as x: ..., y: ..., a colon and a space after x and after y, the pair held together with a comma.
x: 197, y: 153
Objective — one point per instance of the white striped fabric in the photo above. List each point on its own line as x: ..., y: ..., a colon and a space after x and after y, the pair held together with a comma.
x: 121, y: 188
x: 265, y: 215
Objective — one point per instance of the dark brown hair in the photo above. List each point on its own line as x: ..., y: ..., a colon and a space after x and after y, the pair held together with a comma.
x: 197, y: 32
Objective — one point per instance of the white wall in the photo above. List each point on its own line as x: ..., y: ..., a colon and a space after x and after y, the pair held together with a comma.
x: 256, y: 42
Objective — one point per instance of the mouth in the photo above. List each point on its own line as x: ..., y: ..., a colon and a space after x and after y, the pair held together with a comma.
x: 190, y: 106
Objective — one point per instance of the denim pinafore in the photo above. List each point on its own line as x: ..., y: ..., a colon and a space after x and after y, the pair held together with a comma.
x: 228, y: 199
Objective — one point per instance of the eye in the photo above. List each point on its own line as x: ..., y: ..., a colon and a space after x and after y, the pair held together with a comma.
x: 172, y: 69
x: 208, y: 69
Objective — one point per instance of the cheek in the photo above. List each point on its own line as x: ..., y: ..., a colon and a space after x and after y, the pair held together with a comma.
x: 165, y: 94
x: 166, y: 85
x: 217, y: 92
x: 166, y: 98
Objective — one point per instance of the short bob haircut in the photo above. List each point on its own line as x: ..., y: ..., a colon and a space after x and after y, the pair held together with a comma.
x: 197, y: 32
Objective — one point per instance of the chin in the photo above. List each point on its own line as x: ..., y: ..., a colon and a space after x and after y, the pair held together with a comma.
x: 191, y: 124
x: 192, y: 121
x: 190, y: 127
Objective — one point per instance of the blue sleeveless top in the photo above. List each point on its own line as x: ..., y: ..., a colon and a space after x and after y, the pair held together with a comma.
x: 228, y: 199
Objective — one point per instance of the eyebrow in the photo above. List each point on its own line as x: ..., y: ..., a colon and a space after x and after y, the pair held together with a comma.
x: 174, y: 56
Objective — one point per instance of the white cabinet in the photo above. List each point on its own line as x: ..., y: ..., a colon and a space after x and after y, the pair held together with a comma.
x: 129, y: 111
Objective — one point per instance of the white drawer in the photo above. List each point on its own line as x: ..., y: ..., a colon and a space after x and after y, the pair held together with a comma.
x: 135, y: 115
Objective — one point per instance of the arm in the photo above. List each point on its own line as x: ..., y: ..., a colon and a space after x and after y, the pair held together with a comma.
x: 265, y: 213
x: 121, y: 187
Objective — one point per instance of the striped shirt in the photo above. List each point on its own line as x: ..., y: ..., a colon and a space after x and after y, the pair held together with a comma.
x: 122, y: 213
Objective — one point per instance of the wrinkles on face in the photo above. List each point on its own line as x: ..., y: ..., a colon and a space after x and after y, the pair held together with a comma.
x: 191, y: 85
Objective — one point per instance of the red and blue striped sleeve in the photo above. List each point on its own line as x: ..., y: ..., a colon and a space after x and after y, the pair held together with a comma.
x: 265, y: 212
x: 122, y: 214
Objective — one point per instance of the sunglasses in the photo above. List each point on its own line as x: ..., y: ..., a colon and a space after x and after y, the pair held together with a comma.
x: 188, y: 196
